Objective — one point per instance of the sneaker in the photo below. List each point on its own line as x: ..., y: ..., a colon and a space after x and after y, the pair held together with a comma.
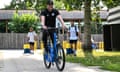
x: 32, y: 52
x: 74, y: 52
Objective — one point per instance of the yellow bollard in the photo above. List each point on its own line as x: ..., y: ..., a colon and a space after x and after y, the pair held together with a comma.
x: 73, y: 46
x: 101, y: 45
x: 80, y: 53
x: 41, y: 45
x: 64, y: 44
x: 35, y: 45
x: 26, y: 46
x: 79, y: 45
x: 67, y: 45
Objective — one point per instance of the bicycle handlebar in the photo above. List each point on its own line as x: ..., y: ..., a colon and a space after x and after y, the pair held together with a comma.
x: 51, y: 28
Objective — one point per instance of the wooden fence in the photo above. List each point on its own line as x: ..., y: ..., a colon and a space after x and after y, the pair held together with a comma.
x: 16, y: 40
x: 13, y: 40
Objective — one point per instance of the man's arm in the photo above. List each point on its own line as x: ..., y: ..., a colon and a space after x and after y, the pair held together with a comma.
x: 78, y: 33
x: 43, y: 22
x: 61, y: 20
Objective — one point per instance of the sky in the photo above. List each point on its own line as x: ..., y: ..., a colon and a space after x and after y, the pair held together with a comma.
x: 4, y: 2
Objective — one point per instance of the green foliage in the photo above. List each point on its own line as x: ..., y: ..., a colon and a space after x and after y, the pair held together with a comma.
x: 39, y: 5
x: 111, y: 3
x: 110, y: 63
x: 11, y: 27
x: 96, y: 28
x: 23, y: 22
x: 73, y: 4
x: 112, y: 67
x: 32, y: 4
x: 27, y: 4
x: 2, y: 27
x: 59, y: 4
x: 68, y: 4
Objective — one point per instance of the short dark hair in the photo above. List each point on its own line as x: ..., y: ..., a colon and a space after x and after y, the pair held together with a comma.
x: 50, y: 2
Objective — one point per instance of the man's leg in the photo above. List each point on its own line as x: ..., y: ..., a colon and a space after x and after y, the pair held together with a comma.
x: 71, y: 46
x: 32, y: 47
x: 45, y: 40
x: 52, y: 36
x: 75, y: 43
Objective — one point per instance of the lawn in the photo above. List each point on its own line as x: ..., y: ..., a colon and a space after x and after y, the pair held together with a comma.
x: 107, y: 60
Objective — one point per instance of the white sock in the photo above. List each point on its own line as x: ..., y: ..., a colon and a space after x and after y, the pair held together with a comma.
x: 32, y: 51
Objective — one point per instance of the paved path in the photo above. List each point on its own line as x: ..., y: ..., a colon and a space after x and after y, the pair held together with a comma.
x: 16, y: 61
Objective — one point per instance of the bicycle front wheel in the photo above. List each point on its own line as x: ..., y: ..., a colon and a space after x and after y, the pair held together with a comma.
x: 46, y: 61
x: 60, y: 61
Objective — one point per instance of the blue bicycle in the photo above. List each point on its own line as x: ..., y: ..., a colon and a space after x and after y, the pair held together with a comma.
x: 55, y: 54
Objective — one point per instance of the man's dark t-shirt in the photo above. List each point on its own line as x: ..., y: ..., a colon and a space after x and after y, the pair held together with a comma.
x: 50, y: 17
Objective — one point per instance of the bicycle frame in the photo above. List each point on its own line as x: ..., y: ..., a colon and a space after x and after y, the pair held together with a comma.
x: 53, y: 51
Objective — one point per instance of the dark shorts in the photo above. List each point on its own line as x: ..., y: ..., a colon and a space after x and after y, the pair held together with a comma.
x: 31, y: 43
x: 73, y: 41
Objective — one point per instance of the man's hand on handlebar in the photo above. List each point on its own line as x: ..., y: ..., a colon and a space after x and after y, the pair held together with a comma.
x: 64, y: 27
x: 44, y: 27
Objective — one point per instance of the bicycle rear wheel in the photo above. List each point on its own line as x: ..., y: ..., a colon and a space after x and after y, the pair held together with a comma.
x: 46, y: 61
x: 60, y: 61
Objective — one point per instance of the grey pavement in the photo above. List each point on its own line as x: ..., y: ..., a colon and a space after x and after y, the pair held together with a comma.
x: 16, y: 61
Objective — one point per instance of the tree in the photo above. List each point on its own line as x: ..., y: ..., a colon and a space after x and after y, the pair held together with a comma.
x: 22, y: 23
x: 72, y: 4
x: 111, y: 3
x: 27, y: 4
x: 87, y: 28
x: 59, y: 5
x: 20, y: 4
x: 32, y: 4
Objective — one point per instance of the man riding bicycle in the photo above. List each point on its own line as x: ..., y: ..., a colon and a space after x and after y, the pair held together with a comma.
x: 48, y: 19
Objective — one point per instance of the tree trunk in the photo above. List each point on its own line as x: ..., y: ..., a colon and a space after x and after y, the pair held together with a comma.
x: 87, y: 27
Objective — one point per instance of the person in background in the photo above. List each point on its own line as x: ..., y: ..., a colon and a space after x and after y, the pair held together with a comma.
x: 94, y: 44
x: 74, y: 35
x: 31, y: 37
